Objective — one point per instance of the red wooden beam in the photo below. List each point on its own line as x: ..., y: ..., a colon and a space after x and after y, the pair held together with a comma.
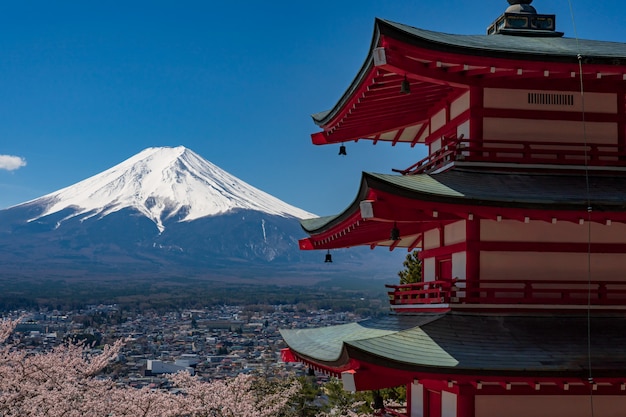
x: 450, y: 62
x: 550, y: 115
x: 568, y: 247
x: 415, y: 70
x: 420, y: 133
x: 365, y: 130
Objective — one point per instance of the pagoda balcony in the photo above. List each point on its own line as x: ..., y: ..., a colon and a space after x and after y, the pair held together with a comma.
x: 514, y: 294
x: 497, y: 152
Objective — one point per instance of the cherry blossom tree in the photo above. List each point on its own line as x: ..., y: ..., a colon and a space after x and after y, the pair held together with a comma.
x: 67, y: 382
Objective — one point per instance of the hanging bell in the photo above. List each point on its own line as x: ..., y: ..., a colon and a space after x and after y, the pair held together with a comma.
x: 329, y: 257
x: 395, y: 233
x: 342, y: 150
x: 405, y: 87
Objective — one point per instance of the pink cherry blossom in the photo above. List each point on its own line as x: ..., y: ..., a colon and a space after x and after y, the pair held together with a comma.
x: 66, y: 382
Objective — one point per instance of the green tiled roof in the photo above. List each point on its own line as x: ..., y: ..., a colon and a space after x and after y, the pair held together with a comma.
x: 401, y: 347
x: 454, y: 342
x: 488, y: 188
x: 424, y: 184
x: 512, y: 189
x: 316, y: 222
x: 326, y: 343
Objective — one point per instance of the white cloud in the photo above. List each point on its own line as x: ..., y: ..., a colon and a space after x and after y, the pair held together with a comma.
x: 11, y: 163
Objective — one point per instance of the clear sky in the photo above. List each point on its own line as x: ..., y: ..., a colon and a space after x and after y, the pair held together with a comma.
x: 85, y: 85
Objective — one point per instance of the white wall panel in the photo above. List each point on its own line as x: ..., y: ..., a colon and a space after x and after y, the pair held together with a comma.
x: 460, y: 105
x: 448, y: 404
x: 539, y: 231
x: 417, y: 400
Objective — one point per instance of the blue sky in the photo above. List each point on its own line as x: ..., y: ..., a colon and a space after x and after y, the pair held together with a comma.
x: 85, y: 85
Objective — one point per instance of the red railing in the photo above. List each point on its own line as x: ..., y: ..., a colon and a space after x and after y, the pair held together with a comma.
x: 531, y: 152
x: 606, y: 293
x: 431, y: 292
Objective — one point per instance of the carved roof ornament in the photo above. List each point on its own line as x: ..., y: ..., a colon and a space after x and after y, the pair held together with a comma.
x: 521, y: 6
x: 522, y: 19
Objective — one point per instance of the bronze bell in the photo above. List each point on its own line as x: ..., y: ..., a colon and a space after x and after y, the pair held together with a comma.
x: 405, y: 87
x: 395, y: 233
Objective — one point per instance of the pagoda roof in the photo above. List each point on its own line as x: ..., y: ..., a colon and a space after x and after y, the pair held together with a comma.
x: 326, y: 343
x: 550, y: 48
x: 471, y: 344
x: 441, y: 66
x: 414, y: 201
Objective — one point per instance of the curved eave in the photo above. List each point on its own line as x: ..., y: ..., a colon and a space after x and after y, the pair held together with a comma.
x: 323, y: 118
x: 439, y: 67
x: 414, y: 204
x: 475, y: 344
x: 373, y: 108
x: 326, y: 346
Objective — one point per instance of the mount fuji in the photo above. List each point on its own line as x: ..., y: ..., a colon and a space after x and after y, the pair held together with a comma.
x: 162, y: 184
x: 165, y: 212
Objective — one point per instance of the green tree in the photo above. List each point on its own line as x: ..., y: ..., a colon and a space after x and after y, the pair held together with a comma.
x: 301, y: 404
x: 396, y: 394
x: 412, y: 271
x: 342, y: 402
x: 305, y: 403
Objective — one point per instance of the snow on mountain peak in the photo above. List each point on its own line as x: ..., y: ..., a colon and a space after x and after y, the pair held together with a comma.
x: 165, y: 183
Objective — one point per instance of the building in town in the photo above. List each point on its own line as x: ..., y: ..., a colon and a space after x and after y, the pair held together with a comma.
x: 518, y: 212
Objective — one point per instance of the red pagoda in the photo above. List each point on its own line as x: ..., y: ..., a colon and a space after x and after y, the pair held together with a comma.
x: 518, y: 213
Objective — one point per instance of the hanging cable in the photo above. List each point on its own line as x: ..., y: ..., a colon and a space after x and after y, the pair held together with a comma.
x: 589, y: 212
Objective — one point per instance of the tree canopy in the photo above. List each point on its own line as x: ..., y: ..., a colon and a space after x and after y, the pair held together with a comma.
x: 68, y: 381
x: 412, y: 271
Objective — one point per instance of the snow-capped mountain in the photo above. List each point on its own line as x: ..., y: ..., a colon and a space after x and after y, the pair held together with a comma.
x: 163, y: 183
x: 165, y: 212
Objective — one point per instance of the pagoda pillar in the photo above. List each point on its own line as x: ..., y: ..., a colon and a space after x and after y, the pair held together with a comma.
x: 472, y: 263
x: 621, y: 120
x: 476, y: 115
x: 465, y: 404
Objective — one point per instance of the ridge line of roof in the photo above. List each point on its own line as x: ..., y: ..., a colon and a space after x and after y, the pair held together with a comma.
x: 569, y: 46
